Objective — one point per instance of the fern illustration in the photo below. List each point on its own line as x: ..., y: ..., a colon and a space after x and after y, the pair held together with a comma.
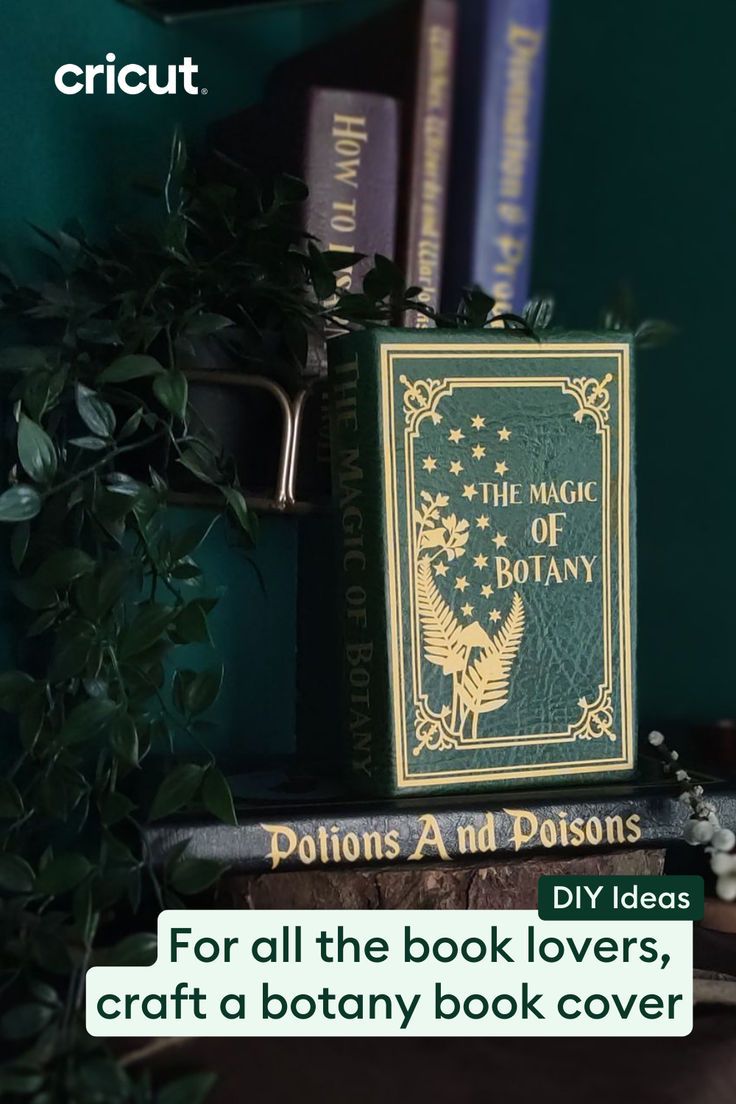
x: 440, y: 627
x: 484, y: 686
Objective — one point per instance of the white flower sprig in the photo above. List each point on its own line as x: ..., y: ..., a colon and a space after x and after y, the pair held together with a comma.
x: 703, y: 829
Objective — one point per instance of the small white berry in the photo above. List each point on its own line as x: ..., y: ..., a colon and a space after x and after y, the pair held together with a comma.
x: 681, y: 775
x: 726, y: 887
x: 674, y: 755
x: 698, y: 832
x: 723, y: 839
x: 656, y: 739
x: 721, y: 863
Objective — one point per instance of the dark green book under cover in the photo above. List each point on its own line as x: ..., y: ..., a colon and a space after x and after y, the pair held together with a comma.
x: 485, y: 488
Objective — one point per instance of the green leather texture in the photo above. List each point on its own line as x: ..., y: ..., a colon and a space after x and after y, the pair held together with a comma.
x: 486, y: 488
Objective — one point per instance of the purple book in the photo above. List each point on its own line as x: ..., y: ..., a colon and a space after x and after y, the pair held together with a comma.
x: 498, y: 115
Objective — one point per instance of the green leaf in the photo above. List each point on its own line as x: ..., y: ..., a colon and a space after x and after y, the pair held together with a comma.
x: 654, y: 332
x: 131, y: 367
x: 196, y: 691
x: 26, y: 1020
x: 19, y: 503
x: 97, y: 415
x: 195, y: 875
x: 147, y: 627
x: 88, y: 720
x: 114, y: 807
x: 172, y: 391
x: 11, y: 803
x: 34, y: 597
x: 193, y: 1089
x: 63, y: 567
x: 191, y: 625
x: 42, y: 623
x: 132, y: 425
x: 200, y: 462
x: 239, y: 507
x: 36, y: 451
x: 15, y: 689
x: 289, y: 189
x: 41, y: 390
x: 176, y: 790
x: 217, y: 796
x: 16, y: 876
x: 90, y: 444
x: 202, y: 324
x: 112, y: 583
x: 72, y: 648
x: 321, y: 274
x: 61, y: 874
x: 133, y: 950
x: 124, y: 740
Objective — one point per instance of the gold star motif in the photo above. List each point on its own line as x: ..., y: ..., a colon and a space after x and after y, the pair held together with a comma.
x: 440, y: 568
x: 467, y: 609
x: 500, y: 540
x: 456, y: 436
x: 436, y: 418
x: 487, y: 590
x: 480, y: 560
x: 504, y: 434
x: 501, y: 467
x: 456, y: 467
x: 482, y: 522
x: 429, y: 464
x: 495, y: 615
x: 461, y: 583
x: 469, y: 491
x: 478, y: 452
x: 477, y: 422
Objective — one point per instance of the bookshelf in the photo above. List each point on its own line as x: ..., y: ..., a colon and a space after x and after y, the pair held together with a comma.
x: 624, y: 192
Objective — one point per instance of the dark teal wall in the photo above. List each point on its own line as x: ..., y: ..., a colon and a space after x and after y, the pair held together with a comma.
x: 638, y: 182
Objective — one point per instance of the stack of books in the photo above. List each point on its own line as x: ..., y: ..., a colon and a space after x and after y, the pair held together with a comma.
x: 417, y: 133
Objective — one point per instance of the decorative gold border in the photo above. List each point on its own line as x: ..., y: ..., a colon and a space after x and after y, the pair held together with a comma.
x: 420, y: 400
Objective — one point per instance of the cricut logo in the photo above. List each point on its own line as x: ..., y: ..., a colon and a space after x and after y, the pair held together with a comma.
x: 131, y: 80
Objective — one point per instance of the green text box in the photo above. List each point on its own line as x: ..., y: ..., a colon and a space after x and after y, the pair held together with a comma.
x: 620, y: 897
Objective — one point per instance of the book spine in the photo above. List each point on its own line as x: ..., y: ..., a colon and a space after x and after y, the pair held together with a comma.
x: 350, y: 162
x: 278, y: 839
x: 351, y: 167
x: 498, y: 115
x: 427, y: 172
x: 356, y: 474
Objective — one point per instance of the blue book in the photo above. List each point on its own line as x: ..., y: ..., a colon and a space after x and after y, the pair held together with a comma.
x: 498, y: 116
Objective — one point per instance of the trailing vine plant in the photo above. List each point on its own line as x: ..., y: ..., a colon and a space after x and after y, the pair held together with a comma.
x: 105, y: 730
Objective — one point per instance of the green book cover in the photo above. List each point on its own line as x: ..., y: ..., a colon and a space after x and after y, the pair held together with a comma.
x: 485, y: 488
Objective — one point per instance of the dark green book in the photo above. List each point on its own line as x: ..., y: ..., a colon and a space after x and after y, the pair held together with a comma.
x: 484, y: 483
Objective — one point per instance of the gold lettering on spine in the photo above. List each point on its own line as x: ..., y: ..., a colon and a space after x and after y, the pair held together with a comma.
x: 358, y: 649
x: 435, y: 139
x: 349, y: 139
x: 525, y: 46
x: 522, y: 829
